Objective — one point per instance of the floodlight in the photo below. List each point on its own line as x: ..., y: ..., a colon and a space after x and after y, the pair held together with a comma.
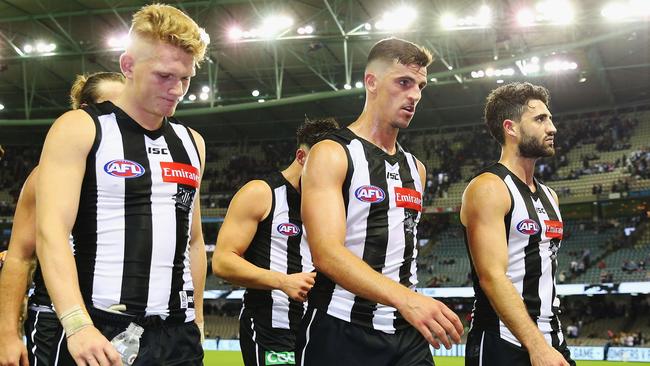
x: 235, y: 33
x: 560, y: 65
x: 615, y: 11
x: 191, y: 97
x: 203, y: 96
x: 555, y: 11
x: 358, y: 84
x: 484, y: 16
x: 448, y: 21
x: 2, y: 106
x: 640, y: 7
x: 525, y: 17
x: 255, y: 93
x: 274, y: 24
x: 347, y: 86
x: 399, y: 18
x: 41, y: 47
x: 118, y: 42
x: 205, y: 89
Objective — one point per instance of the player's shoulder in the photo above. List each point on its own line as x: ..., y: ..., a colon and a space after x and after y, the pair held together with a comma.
x: 73, y: 125
x: 486, y: 188
x: 255, y: 189
x: 330, y: 150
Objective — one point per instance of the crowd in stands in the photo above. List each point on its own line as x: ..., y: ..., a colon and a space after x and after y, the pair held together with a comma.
x: 582, y: 260
x: 473, y: 147
x: 580, y: 311
x: 638, y: 163
x: 219, y: 185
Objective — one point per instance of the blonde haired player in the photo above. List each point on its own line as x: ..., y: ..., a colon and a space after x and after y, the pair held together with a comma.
x: 123, y: 178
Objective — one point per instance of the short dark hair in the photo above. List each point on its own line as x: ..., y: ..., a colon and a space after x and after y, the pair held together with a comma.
x: 314, y: 130
x: 509, y: 102
x: 85, y: 87
x: 405, y: 52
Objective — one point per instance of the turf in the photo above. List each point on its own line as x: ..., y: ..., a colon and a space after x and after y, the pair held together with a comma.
x: 228, y: 358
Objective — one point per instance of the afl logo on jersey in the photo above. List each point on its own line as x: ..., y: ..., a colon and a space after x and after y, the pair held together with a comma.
x: 528, y: 227
x: 124, y: 168
x: 370, y: 194
x: 288, y: 229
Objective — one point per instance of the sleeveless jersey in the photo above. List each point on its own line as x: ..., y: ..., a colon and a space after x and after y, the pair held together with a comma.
x: 534, y: 233
x: 278, y: 245
x: 131, y: 234
x: 383, y: 201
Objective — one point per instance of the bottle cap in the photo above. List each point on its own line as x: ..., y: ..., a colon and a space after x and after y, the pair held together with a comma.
x: 135, y: 329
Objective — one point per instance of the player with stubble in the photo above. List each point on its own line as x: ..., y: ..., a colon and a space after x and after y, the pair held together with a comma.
x: 362, y: 201
x: 513, y: 232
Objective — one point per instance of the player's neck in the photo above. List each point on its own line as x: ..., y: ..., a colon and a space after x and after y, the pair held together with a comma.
x: 523, y: 168
x: 379, y: 132
x: 145, y: 119
x: 292, y: 174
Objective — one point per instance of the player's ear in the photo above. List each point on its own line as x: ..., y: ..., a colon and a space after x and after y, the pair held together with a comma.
x: 301, y: 155
x: 510, y: 127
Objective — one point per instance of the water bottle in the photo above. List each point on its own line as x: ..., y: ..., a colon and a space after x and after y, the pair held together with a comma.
x: 127, y: 343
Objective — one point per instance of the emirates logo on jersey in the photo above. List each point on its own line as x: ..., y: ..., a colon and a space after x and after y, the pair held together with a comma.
x: 288, y: 229
x: 180, y: 173
x: 408, y: 198
x: 554, y: 229
x: 122, y: 168
x: 528, y: 227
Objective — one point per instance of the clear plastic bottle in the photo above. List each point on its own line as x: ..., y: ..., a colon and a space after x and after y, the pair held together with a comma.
x: 127, y: 343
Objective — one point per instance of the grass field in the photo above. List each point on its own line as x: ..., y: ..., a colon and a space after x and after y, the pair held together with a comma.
x: 226, y: 358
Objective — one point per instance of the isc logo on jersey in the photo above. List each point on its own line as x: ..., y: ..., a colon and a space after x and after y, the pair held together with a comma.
x: 370, y: 194
x: 288, y: 229
x: 124, y: 168
x: 528, y: 227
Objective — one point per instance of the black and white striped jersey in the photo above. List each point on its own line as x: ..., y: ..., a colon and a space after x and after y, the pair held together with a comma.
x: 278, y: 245
x: 534, y: 233
x: 383, y: 201
x: 131, y: 235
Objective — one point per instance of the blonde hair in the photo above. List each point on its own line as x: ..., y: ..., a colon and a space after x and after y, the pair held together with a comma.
x: 159, y: 22
x: 85, y: 88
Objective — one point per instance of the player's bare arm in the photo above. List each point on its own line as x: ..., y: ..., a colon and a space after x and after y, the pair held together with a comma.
x: 250, y: 205
x: 198, y: 258
x: 15, y: 274
x: 487, y: 245
x: 61, y: 171
x: 323, y: 214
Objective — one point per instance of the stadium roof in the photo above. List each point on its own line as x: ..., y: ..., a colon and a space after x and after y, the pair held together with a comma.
x: 607, y: 62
